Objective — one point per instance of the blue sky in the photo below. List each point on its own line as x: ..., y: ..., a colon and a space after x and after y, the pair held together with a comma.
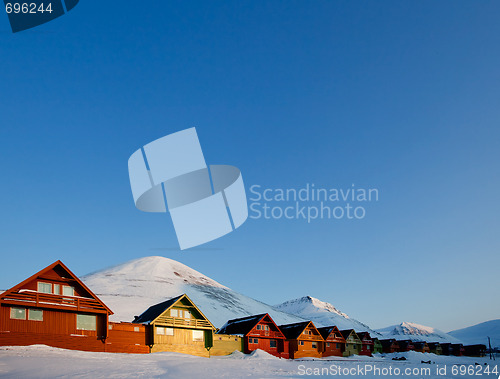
x: 398, y: 96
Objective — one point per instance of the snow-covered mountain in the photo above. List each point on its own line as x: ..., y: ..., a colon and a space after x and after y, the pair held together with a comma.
x: 416, y: 332
x: 478, y: 334
x: 130, y: 288
x: 322, y: 314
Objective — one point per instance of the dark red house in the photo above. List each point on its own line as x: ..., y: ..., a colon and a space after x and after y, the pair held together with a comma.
x: 406, y: 345
x: 366, y: 343
x: 53, y: 307
x: 390, y: 345
x: 259, y: 332
x: 334, y: 342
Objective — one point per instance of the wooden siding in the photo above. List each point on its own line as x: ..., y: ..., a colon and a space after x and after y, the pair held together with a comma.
x: 126, y: 337
x: 225, y: 344
x: 181, y: 342
x: 309, y: 336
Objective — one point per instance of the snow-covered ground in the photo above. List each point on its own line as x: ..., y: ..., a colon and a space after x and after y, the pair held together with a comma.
x: 47, y: 362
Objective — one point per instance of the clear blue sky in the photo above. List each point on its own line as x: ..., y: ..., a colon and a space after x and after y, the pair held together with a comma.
x: 399, y: 95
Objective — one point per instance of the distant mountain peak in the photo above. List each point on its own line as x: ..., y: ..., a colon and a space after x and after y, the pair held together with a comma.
x: 416, y: 332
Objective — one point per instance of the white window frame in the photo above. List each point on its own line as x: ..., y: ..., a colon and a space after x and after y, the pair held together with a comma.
x: 160, y: 330
x: 169, y: 331
x: 94, y: 317
x: 34, y: 310
x: 174, y: 313
x: 39, y: 284
x: 18, y: 309
x: 54, y: 291
x: 198, y: 336
x: 64, y: 287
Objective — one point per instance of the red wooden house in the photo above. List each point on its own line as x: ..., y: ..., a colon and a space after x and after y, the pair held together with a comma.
x: 334, y: 342
x: 421, y: 347
x: 259, y: 332
x: 406, y: 345
x: 366, y: 343
x: 390, y: 345
x: 53, y: 307
x: 457, y: 349
x: 304, y: 339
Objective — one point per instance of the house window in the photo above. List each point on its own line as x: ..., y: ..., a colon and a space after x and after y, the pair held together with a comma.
x: 259, y: 327
x: 328, y: 344
x: 314, y: 345
x: 57, y: 289
x: 301, y: 343
x: 68, y: 291
x: 160, y: 330
x: 187, y: 314
x: 169, y: 331
x: 198, y: 335
x: 338, y: 346
x: 272, y: 343
x: 368, y: 347
x: 35, y: 314
x: 254, y: 340
x: 86, y: 322
x: 346, y: 345
x: 18, y: 313
x: 137, y: 329
x: 110, y: 327
x: 44, y: 287
x: 266, y: 327
x: 174, y: 313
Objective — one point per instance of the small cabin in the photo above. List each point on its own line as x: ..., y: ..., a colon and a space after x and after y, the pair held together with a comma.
x: 457, y: 349
x: 352, y: 342
x: 258, y: 332
x: 334, y: 342
x: 55, y: 308
x: 435, y: 348
x: 475, y: 350
x: 177, y: 325
x: 421, y: 347
x: 304, y: 340
x: 366, y: 343
x: 390, y: 345
x: 406, y: 345
x: 377, y: 346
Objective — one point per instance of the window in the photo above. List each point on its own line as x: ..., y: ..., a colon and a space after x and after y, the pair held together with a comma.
x: 266, y: 327
x: 137, y: 329
x: 160, y: 330
x: 259, y: 327
x: 346, y: 345
x: 314, y: 345
x: 86, y: 322
x: 110, y: 327
x: 272, y: 343
x: 57, y: 289
x: 68, y: 291
x: 328, y: 344
x: 198, y: 335
x: 338, y: 346
x: 169, y: 331
x: 18, y: 313
x: 187, y: 314
x: 44, y: 287
x: 35, y: 315
x: 174, y: 313
x: 301, y: 343
x: 254, y: 340
x: 368, y: 347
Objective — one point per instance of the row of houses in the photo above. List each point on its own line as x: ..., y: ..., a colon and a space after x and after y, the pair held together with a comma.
x: 54, y: 307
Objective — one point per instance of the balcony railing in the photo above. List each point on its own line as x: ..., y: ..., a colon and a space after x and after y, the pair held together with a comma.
x: 38, y: 299
x: 184, y: 322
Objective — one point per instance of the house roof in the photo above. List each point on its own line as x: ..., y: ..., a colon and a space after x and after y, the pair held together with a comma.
x: 70, y: 274
x: 327, y: 330
x: 364, y: 335
x: 155, y: 311
x: 241, y: 325
x: 388, y: 342
x: 347, y: 332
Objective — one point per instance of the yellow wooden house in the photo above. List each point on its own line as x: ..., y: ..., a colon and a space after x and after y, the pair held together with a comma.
x: 352, y: 342
x: 177, y: 325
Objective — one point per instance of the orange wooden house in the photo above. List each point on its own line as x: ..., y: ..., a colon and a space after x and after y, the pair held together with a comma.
x: 53, y: 307
x: 304, y: 340
x: 421, y: 347
x: 366, y: 343
x: 258, y: 332
x: 334, y: 342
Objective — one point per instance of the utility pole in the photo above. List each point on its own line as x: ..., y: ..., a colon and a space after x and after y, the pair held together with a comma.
x: 491, y: 350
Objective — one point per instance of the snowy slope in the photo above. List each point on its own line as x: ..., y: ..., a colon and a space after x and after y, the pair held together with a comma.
x: 322, y: 314
x: 130, y: 288
x: 478, y: 334
x: 416, y: 332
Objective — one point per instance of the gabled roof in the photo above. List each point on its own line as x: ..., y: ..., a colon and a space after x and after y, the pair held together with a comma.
x: 40, y: 273
x: 327, y: 330
x: 244, y: 325
x: 293, y: 331
x: 347, y: 332
x: 155, y: 311
x: 364, y: 335
x: 389, y: 342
